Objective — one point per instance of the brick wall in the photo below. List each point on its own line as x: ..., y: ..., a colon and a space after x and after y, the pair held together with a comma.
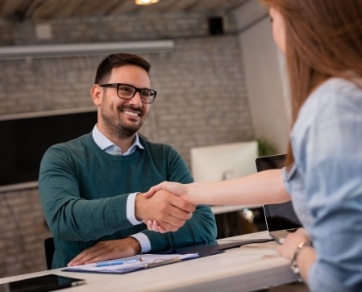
x: 22, y: 230
x: 201, y: 100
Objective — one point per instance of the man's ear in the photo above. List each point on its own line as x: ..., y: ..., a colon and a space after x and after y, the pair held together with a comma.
x: 96, y: 93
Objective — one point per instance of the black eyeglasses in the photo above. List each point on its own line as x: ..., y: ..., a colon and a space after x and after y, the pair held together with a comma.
x: 126, y: 91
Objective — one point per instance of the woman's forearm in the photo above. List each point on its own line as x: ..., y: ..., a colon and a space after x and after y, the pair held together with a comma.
x: 264, y: 187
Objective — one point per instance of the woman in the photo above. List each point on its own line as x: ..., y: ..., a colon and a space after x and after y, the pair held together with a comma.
x: 322, y: 43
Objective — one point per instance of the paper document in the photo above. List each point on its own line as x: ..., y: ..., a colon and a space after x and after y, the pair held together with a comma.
x: 130, y: 264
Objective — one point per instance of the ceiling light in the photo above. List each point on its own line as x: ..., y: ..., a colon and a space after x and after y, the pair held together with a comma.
x: 145, y: 2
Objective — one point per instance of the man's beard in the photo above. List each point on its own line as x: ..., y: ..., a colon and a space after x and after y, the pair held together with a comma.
x: 119, y: 127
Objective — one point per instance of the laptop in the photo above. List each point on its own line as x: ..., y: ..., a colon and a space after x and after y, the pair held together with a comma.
x: 280, y: 218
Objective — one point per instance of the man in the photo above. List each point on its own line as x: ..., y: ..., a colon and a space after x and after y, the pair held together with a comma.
x: 90, y: 187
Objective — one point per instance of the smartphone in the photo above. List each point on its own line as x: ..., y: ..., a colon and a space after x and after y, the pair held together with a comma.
x: 41, y: 284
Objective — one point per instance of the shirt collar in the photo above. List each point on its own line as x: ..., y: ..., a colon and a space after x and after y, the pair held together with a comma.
x: 104, y: 143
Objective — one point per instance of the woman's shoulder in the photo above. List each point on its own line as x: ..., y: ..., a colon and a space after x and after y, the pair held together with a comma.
x: 332, y: 85
x: 334, y: 93
x: 334, y: 98
x: 338, y: 87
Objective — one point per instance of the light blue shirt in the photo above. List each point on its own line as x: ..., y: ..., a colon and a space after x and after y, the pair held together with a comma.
x: 108, y: 146
x: 325, y: 183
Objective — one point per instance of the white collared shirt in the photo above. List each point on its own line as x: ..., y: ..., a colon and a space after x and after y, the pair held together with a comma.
x: 108, y: 146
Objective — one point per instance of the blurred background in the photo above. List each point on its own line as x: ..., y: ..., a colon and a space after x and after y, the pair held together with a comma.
x: 219, y: 77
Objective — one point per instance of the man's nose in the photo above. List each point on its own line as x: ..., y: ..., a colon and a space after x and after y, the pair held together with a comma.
x: 136, y: 99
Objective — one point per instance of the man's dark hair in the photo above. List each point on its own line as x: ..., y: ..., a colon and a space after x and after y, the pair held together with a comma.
x: 117, y: 60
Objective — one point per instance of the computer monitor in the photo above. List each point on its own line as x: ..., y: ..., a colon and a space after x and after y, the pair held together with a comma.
x: 225, y: 161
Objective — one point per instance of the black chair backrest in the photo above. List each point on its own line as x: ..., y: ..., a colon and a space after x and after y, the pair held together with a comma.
x: 49, y: 251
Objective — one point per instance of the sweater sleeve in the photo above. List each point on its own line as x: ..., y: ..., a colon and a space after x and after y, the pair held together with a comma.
x: 69, y: 215
x: 200, y: 228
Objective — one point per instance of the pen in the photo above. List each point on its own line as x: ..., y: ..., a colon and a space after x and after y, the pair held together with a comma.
x: 119, y: 262
x: 162, y: 262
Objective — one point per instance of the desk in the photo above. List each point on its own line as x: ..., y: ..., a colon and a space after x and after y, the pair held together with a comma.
x: 248, y: 268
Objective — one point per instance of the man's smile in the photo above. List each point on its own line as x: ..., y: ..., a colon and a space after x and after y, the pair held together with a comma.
x: 131, y: 113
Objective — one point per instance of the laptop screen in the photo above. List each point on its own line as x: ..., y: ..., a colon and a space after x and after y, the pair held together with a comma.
x: 277, y: 216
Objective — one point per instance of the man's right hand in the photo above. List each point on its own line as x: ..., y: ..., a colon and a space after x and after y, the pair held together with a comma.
x: 170, y: 211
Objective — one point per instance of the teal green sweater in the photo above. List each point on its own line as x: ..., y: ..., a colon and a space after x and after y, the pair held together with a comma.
x: 84, y: 190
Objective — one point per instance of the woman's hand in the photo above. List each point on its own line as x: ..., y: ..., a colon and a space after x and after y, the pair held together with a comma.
x: 291, y: 243
x: 172, y: 187
x: 306, y: 256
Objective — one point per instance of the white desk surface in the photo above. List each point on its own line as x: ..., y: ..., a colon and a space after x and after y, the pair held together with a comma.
x: 246, y: 268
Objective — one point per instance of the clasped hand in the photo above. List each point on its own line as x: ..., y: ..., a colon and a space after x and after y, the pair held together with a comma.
x: 178, y: 194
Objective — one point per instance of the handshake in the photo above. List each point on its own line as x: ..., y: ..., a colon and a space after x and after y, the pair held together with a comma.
x: 164, y: 207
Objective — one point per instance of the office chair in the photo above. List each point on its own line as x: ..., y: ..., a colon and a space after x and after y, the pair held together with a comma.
x: 49, y: 251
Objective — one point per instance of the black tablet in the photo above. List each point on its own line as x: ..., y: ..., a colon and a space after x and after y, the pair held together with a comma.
x: 41, y: 284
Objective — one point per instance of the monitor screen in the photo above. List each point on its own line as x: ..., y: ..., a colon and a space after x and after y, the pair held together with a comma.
x: 26, y: 137
x: 225, y: 161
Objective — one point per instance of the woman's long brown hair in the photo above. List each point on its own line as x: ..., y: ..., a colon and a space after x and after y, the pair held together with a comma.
x: 323, y: 40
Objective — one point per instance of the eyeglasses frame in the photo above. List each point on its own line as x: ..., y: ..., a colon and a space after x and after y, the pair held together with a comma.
x: 137, y: 89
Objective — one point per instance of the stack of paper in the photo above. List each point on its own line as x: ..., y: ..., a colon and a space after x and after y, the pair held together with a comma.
x: 130, y: 264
